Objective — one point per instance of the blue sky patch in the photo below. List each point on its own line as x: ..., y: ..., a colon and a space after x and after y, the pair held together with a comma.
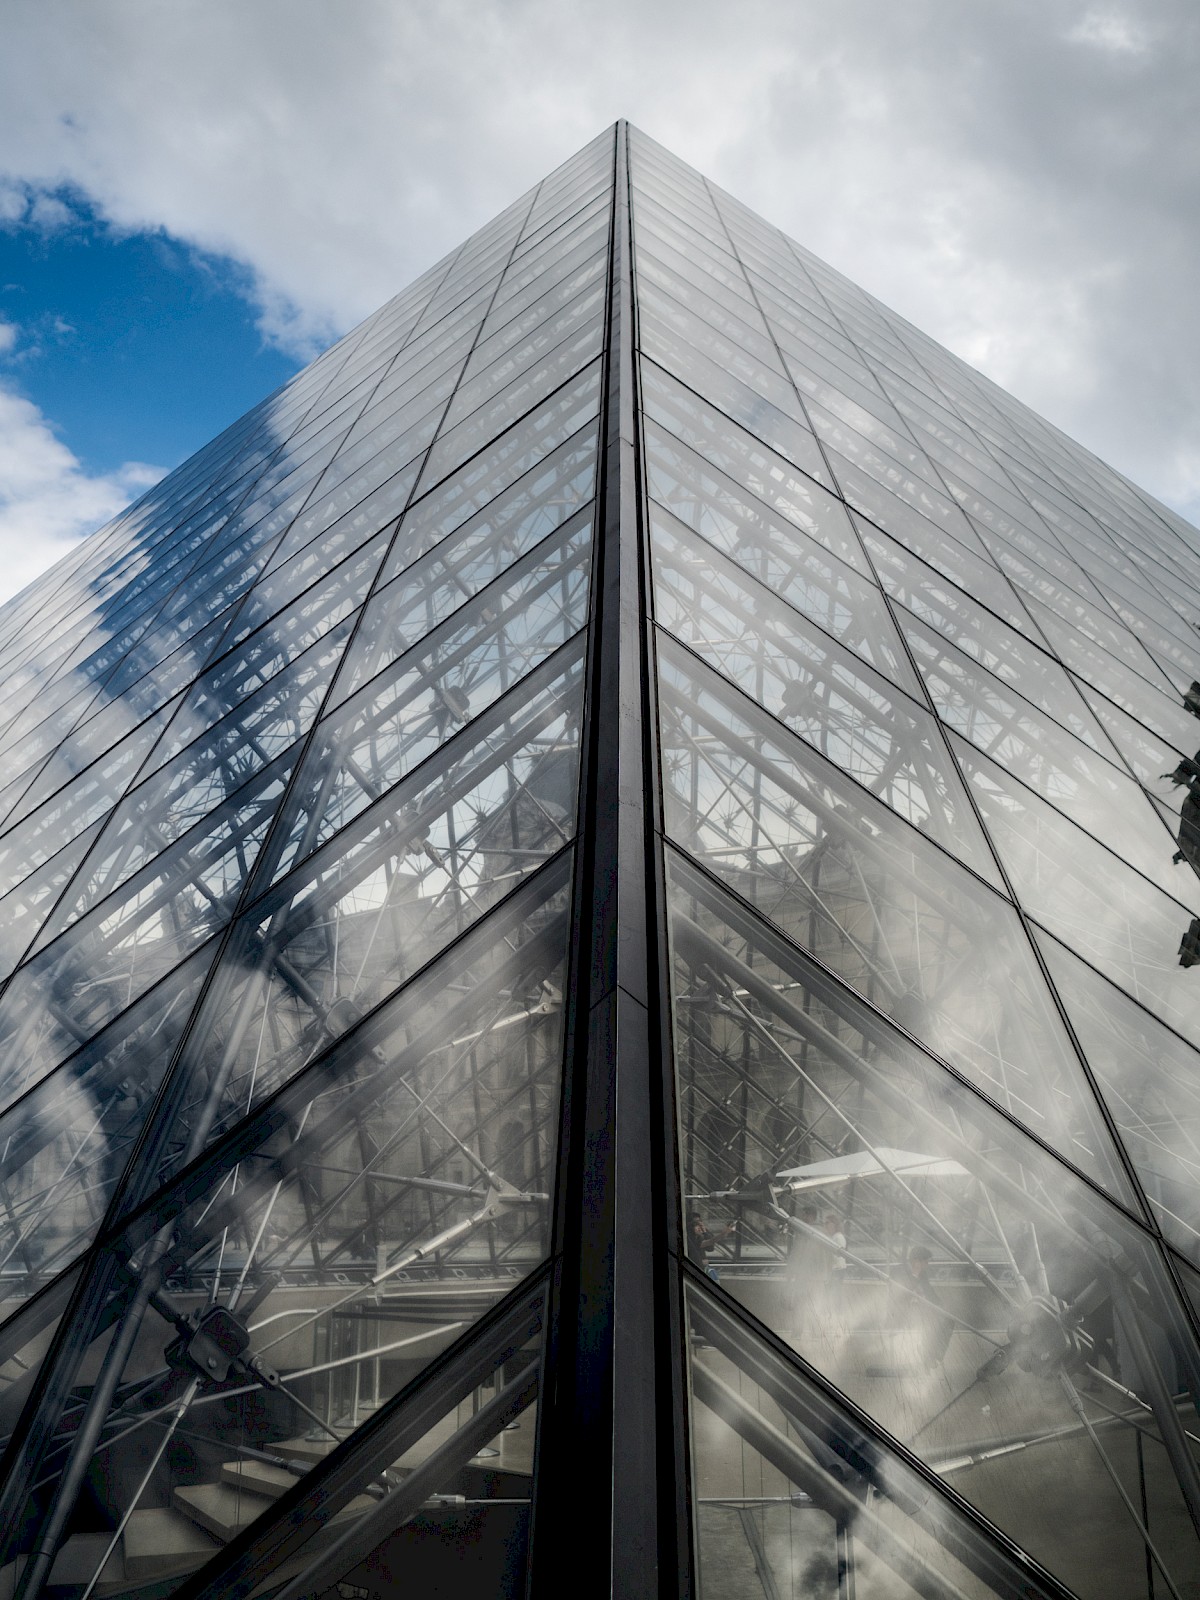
x: 134, y: 346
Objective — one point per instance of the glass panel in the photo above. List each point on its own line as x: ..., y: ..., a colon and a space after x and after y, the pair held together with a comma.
x: 58, y: 705
x: 40, y: 667
x: 25, y: 908
x: 1159, y: 592
x: 27, y: 1327
x: 408, y: 610
x: 977, y: 1298
x: 583, y: 234
x: 459, y: 304
x: 215, y: 778
x: 922, y: 938
x: 667, y: 283
x: 668, y: 257
x: 425, y: 364
x: 574, y: 256
x: 1034, y: 561
x: 1086, y: 896
x: 64, y: 1146
x: 115, y: 718
x: 123, y: 945
x: 529, y: 327
x: 1043, y: 755
x: 164, y: 570
x: 1101, y: 675
x: 207, y: 593
x: 902, y: 506
x: 799, y: 316
x: 982, y: 489
x: 438, y: 571
x: 785, y: 564
x: 392, y: 469
x: 558, y: 479
x: 1148, y: 755
x: 417, y: 702
x: 838, y: 705
x: 497, y: 365
x: 387, y: 893
x: 1008, y: 655
x: 1151, y: 1081
x: 77, y: 799
x: 301, y: 547
x: 686, y: 203
x: 1159, y: 630
x: 923, y: 590
x: 1107, y: 631
x: 670, y: 237
x: 270, y: 686
x: 794, y: 1498
x: 694, y: 317
x: 101, y: 644
x: 886, y: 453
x: 788, y: 491
x: 402, y: 412
x: 737, y: 394
x: 26, y: 754
x: 530, y: 386
x: 715, y: 506
x: 1151, y: 702
x: 503, y: 461
x: 824, y: 371
x: 317, y: 577
x: 865, y: 409
x: 334, y: 1246
x: 446, y: 1508
x: 210, y: 753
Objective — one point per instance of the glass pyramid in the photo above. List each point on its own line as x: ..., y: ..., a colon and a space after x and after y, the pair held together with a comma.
x: 594, y: 941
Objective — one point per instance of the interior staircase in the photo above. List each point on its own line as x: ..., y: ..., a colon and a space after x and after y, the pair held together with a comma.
x: 165, y: 1542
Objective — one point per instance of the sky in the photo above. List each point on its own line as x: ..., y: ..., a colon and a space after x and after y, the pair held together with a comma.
x: 196, y: 196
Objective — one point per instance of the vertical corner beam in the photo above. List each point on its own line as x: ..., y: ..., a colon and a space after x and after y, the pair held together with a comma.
x: 608, y: 1471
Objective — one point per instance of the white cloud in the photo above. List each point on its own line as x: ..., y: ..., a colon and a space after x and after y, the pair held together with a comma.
x: 1112, y: 31
x: 49, y: 214
x: 47, y: 501
x: 1022, y: 181
x: 12, y: 200
x: 8, y: 336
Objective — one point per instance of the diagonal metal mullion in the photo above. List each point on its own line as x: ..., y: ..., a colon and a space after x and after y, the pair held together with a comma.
x: 812, y: 1405
x: 270, y: 1117
x: 251, y: 1556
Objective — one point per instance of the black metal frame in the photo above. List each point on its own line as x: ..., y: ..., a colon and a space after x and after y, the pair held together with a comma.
x: 102, y: 1269
x: 822, y: 1416
x: 615, y: 1350
x: 254, y: 1555
x: 615, y: 1373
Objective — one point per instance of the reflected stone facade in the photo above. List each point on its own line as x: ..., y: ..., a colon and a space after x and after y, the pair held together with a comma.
x: 595, y: 956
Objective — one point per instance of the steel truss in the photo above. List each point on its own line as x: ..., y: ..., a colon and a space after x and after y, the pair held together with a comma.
x: 462, y: 914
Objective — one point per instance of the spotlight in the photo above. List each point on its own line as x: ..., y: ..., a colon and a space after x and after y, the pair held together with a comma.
x: 1186, y: 771
x: 797, y: 697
